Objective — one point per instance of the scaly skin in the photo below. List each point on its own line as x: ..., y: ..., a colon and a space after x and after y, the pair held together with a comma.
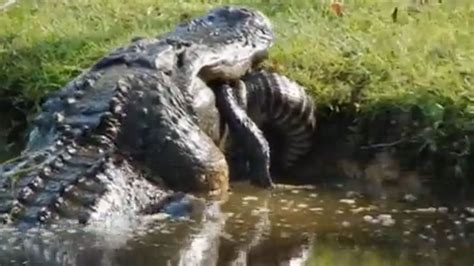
x: 279, y: 105
x: 258, y: 95
x: 245, y: 131
x: 266, y: 100
x: 133, y: 110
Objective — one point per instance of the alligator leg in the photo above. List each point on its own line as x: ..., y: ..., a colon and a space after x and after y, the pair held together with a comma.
x: 243, y: 128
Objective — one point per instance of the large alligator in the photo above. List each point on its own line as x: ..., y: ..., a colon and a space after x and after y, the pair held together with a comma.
x: 147, y: 106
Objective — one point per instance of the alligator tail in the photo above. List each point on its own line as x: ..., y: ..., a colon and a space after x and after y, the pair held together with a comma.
x: 285, y: 106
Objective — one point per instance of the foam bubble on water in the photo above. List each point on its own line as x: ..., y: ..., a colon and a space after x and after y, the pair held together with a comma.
x: 348, y: 201
x: 250, y: 198
x: 302, y: 205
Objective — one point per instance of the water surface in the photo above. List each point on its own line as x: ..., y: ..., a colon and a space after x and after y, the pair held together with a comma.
x: 311, y: 226
x: 322, y: 225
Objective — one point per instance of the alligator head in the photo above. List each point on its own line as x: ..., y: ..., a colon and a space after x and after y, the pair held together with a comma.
x: 223, y: 44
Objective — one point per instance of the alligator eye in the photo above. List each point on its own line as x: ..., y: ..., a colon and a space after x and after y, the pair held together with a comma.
x: 211, y: 18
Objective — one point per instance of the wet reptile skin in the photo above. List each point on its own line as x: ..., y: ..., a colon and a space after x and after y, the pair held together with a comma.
x: 136, y: 109
x: 264, y: 103
x: 133, y: 109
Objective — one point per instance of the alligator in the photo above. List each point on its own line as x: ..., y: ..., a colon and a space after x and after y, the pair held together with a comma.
x: 128, y: 123
x: 267, y: 107
x: 143, y: 123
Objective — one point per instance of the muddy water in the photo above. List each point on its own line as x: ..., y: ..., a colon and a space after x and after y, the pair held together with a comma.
x: 310, y: 226
x: 325, y: 225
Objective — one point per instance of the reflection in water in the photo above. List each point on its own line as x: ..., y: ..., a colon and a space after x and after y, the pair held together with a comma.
x: 203, y: 249
x: 320, y: 226
x: 257, y: 227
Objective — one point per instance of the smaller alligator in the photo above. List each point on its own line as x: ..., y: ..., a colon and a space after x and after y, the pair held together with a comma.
x: 266, y: 100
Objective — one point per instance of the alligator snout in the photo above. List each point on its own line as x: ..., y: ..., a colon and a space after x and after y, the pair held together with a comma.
x: 191, y: 165
x: 215, y: 179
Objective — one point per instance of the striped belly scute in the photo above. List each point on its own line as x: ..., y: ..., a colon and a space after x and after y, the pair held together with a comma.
x: 287, y: 107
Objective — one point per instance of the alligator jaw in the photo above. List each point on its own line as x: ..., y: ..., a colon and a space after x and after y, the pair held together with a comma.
x: 223, y: 44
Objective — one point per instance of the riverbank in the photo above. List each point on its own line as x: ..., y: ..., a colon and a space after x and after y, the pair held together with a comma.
x: 399, y: 79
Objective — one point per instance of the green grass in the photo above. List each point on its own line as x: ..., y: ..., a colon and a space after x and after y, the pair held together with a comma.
x: 363, y: 60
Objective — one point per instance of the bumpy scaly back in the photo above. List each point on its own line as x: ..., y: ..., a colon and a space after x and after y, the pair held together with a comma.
x: 225, y: 24
x: 62, y: 179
